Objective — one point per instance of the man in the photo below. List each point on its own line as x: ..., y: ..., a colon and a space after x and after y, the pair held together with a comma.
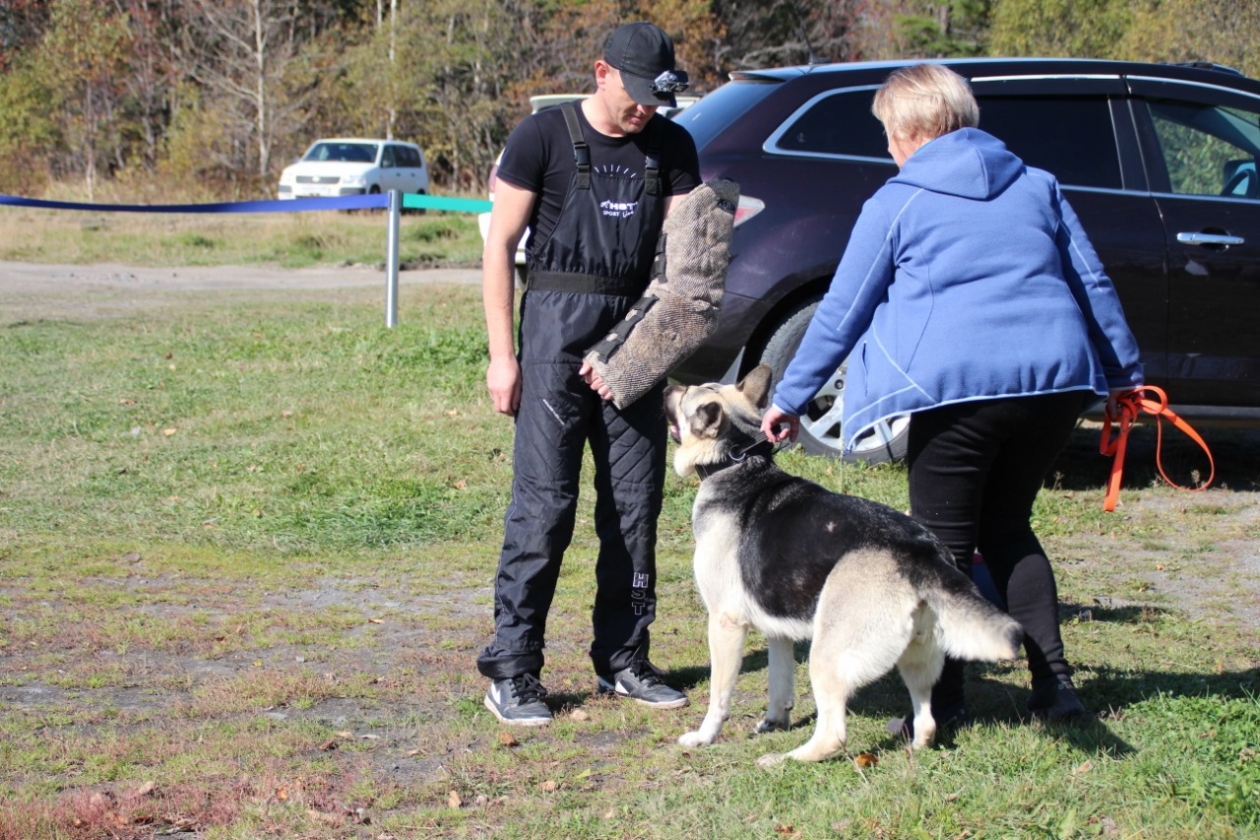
x: 593, y: 182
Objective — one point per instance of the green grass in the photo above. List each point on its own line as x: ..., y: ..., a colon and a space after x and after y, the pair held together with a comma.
x: 247, y: 549
x: 292, y: 240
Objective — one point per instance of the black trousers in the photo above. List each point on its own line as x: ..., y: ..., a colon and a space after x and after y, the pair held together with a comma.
x: 975, y: 470
x: 559, y: 415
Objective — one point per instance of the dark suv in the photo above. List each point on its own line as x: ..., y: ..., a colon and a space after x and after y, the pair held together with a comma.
x: 1159, y: 162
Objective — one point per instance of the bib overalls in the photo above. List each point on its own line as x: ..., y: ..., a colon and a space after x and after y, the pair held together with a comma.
x: 582, y: 281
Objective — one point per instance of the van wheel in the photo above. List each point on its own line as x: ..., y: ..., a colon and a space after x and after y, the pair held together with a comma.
x: 820, y: 425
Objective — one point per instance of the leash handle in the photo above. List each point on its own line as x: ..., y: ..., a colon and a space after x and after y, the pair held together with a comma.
x: 1129, y: 406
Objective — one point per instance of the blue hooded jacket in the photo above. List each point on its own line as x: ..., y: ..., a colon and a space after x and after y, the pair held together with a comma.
x: 967, y: 277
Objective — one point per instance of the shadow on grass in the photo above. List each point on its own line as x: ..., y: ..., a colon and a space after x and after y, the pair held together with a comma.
x: 1107, y: 693
x: 1236, y: 452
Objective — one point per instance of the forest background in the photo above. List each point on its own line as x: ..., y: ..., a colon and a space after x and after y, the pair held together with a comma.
x: 166, y: 101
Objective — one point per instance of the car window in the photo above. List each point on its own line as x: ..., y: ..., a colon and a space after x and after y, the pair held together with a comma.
x: 409, y: 157
x: 1207, y: 149
x: 715, y: 112
x: 343, y: 152
x: 1070, y: 137
x: 387, y: 159
x: 836, y: 124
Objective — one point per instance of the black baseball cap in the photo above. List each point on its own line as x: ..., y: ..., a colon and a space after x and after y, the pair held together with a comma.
x: 644, y: 55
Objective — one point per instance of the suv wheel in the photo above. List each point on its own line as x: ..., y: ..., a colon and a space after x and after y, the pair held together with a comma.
x: 820, y: 425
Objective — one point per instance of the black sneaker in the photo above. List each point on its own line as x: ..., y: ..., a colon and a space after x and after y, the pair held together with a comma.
x: 517, y: 701
x: 642, y: 683
x: 1056, y: 701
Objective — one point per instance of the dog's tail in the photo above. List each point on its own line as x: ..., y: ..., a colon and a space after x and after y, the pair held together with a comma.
x: 971, y: 627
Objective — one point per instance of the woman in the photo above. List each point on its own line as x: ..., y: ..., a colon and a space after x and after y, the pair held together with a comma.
x: 970, y: 297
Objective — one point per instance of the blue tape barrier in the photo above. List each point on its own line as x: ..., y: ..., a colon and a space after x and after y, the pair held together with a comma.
x: 345, y: 202
x: 411, y: 201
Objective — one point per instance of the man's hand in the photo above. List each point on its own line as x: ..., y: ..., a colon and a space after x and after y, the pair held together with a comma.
x: 503, y: 379
x: 773, y: 419
x: 596, y: 381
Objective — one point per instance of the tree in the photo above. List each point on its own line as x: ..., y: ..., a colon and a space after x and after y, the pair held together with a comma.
x: 255, y: 60
x: 1078, y: 28
x: 82, y: 62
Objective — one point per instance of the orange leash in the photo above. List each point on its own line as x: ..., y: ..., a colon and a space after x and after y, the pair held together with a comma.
x: 1130, y: 406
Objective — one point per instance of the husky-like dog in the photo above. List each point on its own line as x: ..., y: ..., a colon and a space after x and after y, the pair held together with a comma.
x: 869, y: 585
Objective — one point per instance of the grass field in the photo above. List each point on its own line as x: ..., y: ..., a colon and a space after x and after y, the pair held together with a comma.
x: 247, y: 548
x: 291, y: 240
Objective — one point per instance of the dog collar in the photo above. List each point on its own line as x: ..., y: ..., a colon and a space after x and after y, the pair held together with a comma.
x: 763, y: 448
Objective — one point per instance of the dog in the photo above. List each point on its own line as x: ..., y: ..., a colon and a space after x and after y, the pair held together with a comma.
x: 870, y: 586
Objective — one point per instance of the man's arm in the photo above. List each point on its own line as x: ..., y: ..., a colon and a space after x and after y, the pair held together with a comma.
x: 508, y: 219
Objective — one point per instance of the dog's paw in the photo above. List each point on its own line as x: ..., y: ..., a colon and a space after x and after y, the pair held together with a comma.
x: 768, y: 725
x: 771, y: 759
x: 695, y: 739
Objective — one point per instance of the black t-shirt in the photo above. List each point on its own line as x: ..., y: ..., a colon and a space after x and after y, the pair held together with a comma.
x: 539, y: 158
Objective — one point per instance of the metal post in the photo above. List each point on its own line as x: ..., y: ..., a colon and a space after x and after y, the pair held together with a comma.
x: 391, y: 260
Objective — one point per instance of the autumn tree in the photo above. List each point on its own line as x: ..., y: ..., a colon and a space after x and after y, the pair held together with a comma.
x: 256, y: 62
x: 82, y: 62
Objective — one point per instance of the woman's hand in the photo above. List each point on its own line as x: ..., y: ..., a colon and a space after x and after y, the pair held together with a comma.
x: 772, y: 422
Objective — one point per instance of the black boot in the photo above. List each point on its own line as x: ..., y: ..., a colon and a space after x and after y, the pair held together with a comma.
x: 1055, y: 700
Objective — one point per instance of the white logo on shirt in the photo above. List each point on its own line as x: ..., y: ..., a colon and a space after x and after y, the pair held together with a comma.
x: 618, y: 209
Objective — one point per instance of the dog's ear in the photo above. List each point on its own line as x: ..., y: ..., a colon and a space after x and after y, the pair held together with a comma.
x: 756, y: 385
x: 708, y: 420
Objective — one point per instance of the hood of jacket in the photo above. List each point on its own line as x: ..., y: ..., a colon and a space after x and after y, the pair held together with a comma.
x: 968, y: 163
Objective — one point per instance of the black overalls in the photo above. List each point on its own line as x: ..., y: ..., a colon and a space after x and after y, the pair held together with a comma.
x: 582, y: 281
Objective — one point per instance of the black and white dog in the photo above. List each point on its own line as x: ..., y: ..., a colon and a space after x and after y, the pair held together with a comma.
x: 870, y: 586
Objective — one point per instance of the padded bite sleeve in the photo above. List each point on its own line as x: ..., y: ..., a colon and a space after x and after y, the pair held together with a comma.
x: 680, y: 307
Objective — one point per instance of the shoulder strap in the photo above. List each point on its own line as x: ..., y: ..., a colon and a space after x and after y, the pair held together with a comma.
x: 652, y: 170
x: 581, y: 151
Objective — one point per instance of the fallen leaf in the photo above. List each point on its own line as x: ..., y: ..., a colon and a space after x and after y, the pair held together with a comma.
x: 453, y: 800
x: 330, y: 744
x: 865, y: 760
x: 282, y: 794
x: 547, y: 786
x: 345, y: 733
x: 168, y: 432
x: 145, y: 789
x: 507, y: 739
x: 376, y: 621
x: 786, y: 830
x: 460, y: 485
x: 580, y: 714
x: 326, y: 819
x: 1081, y: 769
x: 126, y: 401
x: 842, y: 825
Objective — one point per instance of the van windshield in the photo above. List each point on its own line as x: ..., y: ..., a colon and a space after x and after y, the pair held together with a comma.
x: 343, y: 152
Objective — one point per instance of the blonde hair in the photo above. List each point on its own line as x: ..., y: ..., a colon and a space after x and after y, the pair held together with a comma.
x: 925, y: 101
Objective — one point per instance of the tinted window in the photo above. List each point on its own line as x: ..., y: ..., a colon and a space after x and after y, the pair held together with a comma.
x: 716, y: 111
x: 839, y: 124
x: 1069, y: 137
x: 343, y: 152
x: 1208, y: 149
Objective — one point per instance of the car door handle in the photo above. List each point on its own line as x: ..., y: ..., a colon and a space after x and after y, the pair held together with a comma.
x: 1209, y: 239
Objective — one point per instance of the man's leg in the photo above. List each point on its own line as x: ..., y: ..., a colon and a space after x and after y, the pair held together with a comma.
x: 629, y: 452
x: 538, y: 527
